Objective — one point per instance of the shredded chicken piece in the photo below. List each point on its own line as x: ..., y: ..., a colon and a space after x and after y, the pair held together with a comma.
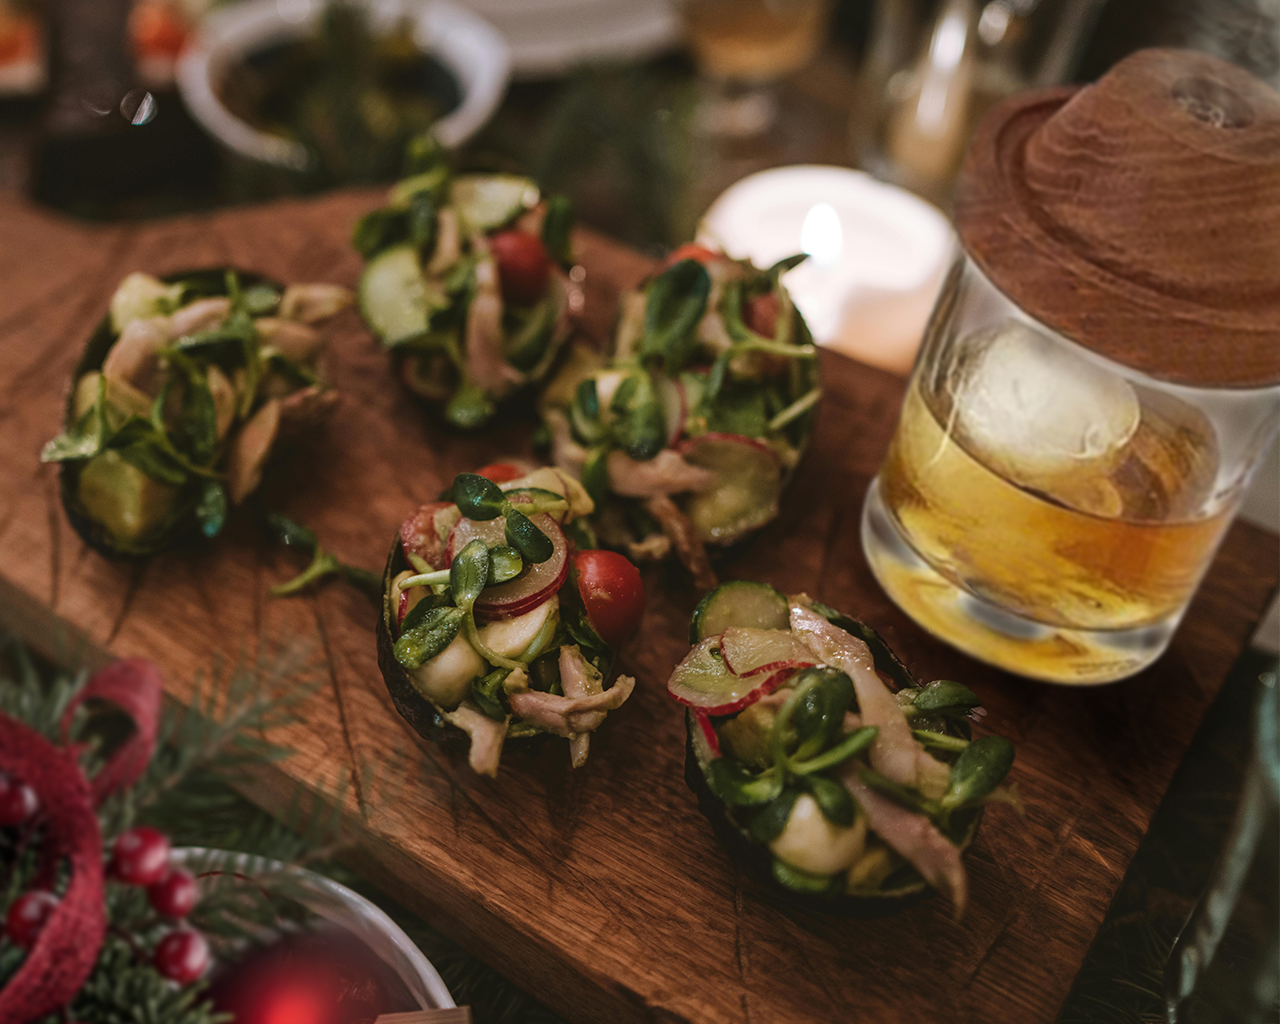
x: 134, y: 357
x: 665, y: 473
x: 912, y: 835
x: 692, y: 552
x: 565, y: 451
x: 895, y: 753
x: 201, y: 315
x: 579, y: 678
x: 448, y: 242
x: 293, y: 340
x: 250, y: 449
x: 310, y: 303
x: 485, y: 362
x: 565, y: 716
x: 487, y: 736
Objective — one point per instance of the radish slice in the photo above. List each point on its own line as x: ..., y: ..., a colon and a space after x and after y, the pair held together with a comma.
x: 674, y: 407
x: 748, y: 652
x: 707, y: 729
x: 703, y: 681
x: 538, y: 582
x: 748, y: 485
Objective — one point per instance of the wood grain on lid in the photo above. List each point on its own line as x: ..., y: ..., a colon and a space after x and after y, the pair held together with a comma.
x: 1139, y: 216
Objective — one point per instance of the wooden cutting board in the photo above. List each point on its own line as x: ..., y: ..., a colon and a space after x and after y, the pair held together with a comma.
x: 601, y: 891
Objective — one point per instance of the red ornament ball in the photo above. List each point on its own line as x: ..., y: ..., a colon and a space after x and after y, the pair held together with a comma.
x: 28, y: 915
x: 140, y: 856
x: 182, y: 956
x: 18, y: 802
x: 174, y: 895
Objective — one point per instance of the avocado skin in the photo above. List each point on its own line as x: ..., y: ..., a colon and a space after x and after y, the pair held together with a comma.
x: 414, y: 708
x: 181, y: 527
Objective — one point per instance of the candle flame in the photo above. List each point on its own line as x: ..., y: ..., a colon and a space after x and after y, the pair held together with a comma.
x: 821, y: 235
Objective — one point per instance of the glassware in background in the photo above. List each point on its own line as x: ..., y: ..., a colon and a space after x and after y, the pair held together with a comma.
x: 1046, y: 509
x: 932, y: 71
x: 1225, y: 965
x: 741, y: 47
x: 1101, y: 373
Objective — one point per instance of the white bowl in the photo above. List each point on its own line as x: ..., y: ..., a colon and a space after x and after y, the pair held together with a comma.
x: 353, y: 913
x: 467, y: 45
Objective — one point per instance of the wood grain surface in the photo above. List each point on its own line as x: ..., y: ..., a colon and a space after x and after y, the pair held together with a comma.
x: 601, y: 891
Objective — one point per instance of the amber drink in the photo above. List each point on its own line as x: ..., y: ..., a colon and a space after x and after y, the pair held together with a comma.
x: 1041, y: 507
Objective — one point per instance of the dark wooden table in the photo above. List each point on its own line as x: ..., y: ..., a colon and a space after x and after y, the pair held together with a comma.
x: 600, y: 891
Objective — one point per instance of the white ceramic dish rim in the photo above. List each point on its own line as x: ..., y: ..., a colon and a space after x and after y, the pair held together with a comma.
x: 340, y: 906
x: 473, y: 50
x: 550, y: 38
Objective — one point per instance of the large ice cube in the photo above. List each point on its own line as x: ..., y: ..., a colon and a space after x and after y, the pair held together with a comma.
x: 1037, y: 412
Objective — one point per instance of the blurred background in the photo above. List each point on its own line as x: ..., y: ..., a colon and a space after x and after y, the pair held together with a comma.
x: 642, y: 110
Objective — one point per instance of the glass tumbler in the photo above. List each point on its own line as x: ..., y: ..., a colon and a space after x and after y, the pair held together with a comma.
x: 1045, y: 508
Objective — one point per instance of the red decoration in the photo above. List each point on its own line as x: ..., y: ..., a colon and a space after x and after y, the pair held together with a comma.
x: 66, y: 949
x: 182, y: 956
x: 18, y: 802
x: 140, y: 856
x: 174, y: 895
x: 28, y: 916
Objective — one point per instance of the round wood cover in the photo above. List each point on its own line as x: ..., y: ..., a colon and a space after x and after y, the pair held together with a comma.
x: 1139, y: 216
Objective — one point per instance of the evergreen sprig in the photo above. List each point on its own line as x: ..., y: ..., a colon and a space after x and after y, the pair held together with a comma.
x: 222, y: 734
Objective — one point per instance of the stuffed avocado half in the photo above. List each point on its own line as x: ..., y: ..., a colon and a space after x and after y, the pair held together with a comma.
x: 495, y: 627
x: 826, y: 769
x: 687, y: 434
x: 178, y: 399
x: 465, y: 284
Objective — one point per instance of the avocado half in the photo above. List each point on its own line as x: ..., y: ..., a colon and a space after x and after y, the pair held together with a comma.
x: 903, y: 888
x: 181, y: 524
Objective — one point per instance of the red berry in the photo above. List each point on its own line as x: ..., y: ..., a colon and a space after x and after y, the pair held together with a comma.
x: 524, y: 266
x: 182, y: 956
x: 28, y: 916
x: 18, y: 802
x: 174, y: 895
x: 140, y: 856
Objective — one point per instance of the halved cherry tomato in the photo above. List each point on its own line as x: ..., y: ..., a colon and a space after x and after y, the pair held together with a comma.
x: 612, y: 593
x: 524, y: 266
x: 500, y: 472
x: 760, y: 312
x: 691, y: 251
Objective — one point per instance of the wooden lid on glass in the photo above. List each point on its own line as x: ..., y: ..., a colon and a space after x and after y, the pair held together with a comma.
x: 1139, y: 216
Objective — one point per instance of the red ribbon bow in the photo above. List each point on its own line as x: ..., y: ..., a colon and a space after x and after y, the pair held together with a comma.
x: 60, y: 961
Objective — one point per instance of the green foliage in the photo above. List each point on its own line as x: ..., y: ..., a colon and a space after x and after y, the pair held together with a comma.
x: 323, y: 563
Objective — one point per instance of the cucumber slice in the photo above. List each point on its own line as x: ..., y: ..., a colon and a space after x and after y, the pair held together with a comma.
x: 703, y: 681
x: 395, y: 299
x: 748, y: 486
x: 488, y: 201
x: 429, y: 181
x: 740, y: 603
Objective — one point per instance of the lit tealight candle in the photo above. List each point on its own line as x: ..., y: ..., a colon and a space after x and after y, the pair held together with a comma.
x: 877, y: 254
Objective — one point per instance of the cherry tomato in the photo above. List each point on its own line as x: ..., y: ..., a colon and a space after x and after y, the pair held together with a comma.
x: 524, y: 267
x: 761, y: 314
x: 611, y: 592
x: 691, y: 251
x: 500, y: 472
x: 419, y: 536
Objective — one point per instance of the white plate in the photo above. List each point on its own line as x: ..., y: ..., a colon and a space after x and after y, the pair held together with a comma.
x: 551, y: 37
